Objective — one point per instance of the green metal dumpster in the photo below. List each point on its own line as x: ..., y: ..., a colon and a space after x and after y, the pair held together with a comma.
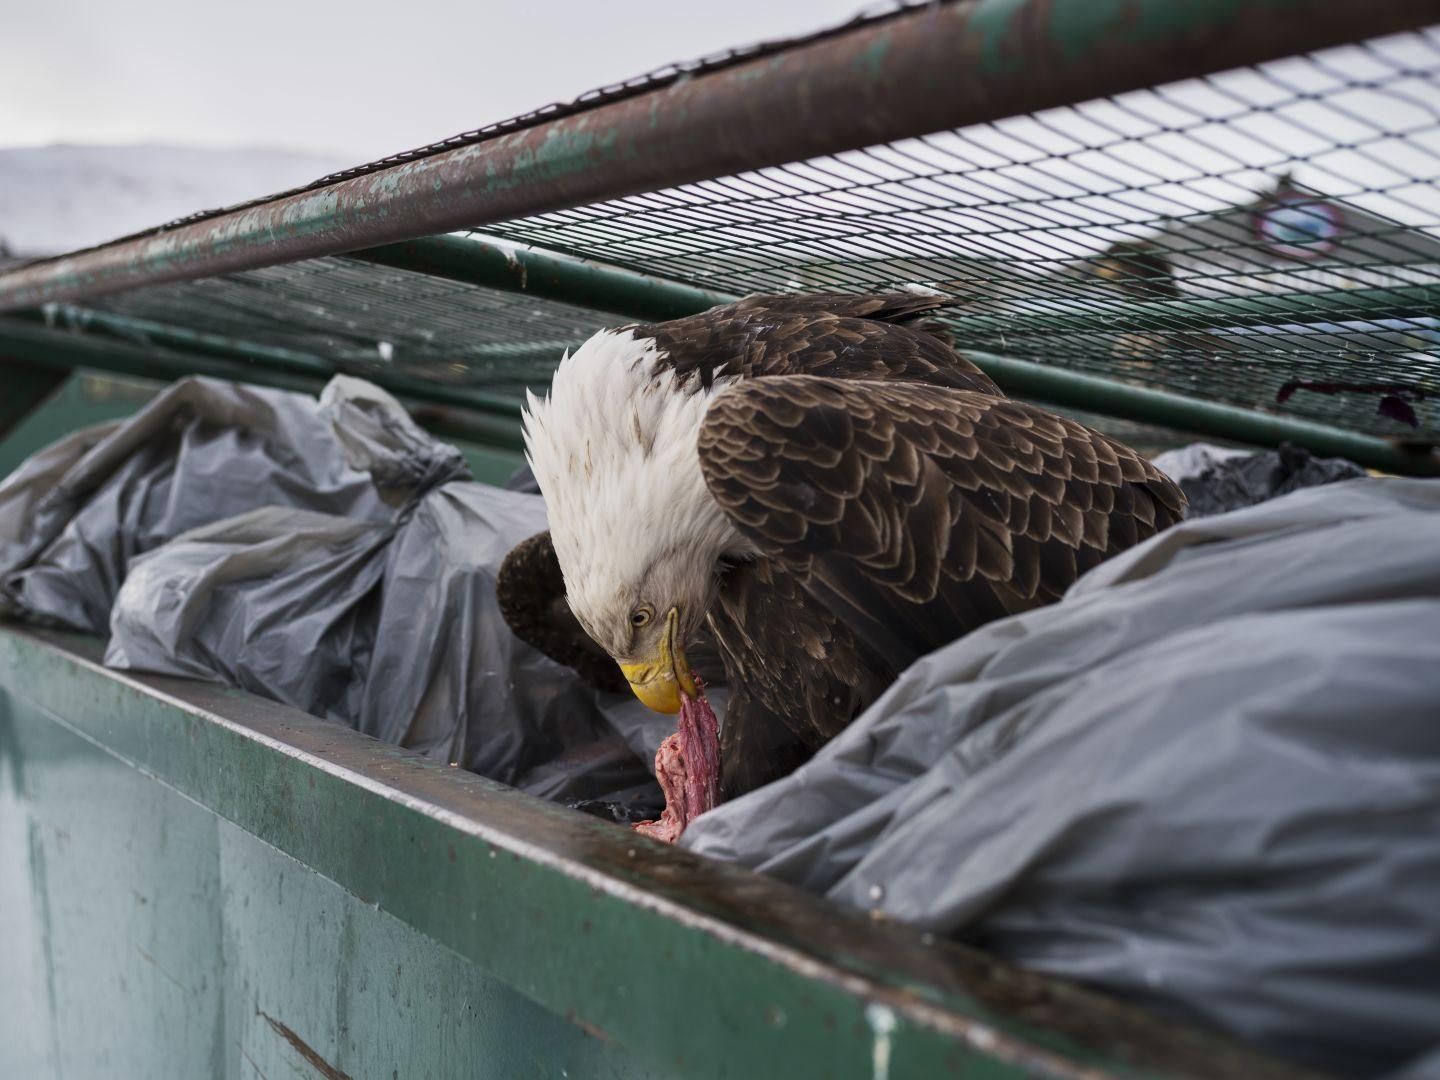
x: 202, y: 883
x: 198, y: 882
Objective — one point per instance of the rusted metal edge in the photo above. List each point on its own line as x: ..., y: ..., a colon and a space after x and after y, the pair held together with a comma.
x: 432, y: 845
x: 922, y: 71
x: 604, y: 95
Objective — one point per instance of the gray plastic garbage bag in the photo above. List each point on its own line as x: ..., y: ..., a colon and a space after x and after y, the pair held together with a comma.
x: 1422, y: 1067
x: 325, y: 554
x: 277, y: 601
x: 1207, y: 780
x: 447, y: 676
x: 1186, y: 462
x: 392, y: 629
x: 280, y: 601
x: 73, y: 516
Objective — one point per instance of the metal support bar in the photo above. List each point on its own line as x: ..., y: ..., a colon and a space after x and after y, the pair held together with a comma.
x: 491, y: 358
x: 933, y: 68
x: 471, y: 415
x: 1073, y: 389
x: 493, y: 419
x: 550, y: 275
x: 1201, y: 315
x: 554, y: 276
x: 65, y: 318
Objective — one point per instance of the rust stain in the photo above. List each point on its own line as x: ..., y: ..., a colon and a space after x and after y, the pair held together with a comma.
x: 318, y: 1063
x: 593, y: 1030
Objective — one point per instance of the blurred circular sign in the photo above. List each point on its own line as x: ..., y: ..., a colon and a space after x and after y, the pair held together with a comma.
x: 1298, y: 226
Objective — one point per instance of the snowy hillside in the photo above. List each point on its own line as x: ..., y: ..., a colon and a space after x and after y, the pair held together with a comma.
x: 58, y: 198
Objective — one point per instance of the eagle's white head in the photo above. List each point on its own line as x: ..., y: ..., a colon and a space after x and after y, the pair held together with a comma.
x: 635, y: 530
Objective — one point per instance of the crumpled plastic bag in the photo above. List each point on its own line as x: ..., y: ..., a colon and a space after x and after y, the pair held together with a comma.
x: 326, y: 554
x: 1207, y: 780
x: 272, y: 601
x: 74, y: 515
x: 1216, y: 479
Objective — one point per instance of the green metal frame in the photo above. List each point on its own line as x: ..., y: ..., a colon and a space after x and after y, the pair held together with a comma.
x: 614, y: 289
x: 1160, y: 317
x: 1063, y: 388
x: 548, y: 275
x: 690, y: 967
x: 453, y: 412
x: 494, y: 419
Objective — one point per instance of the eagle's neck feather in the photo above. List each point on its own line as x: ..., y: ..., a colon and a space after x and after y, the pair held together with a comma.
x: 614, y: 451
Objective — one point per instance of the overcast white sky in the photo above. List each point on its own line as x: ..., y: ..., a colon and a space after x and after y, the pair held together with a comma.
x: 357, y: 79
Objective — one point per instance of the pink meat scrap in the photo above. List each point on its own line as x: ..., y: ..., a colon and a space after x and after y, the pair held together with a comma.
x: 688, y: 768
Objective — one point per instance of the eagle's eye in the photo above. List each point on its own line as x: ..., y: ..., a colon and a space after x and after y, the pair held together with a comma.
x: 641, y: 616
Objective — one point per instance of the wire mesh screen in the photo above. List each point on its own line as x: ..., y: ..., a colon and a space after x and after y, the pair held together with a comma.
x: 1267, y: 237
x: 362, y: 318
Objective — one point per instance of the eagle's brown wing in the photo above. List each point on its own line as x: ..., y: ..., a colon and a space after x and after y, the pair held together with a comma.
x: 787, y: 701
x: 531, y: 592
x: 884, y: 337
x: 917, y: 513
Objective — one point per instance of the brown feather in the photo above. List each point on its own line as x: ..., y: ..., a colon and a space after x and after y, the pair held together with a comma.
x: 910, y: 566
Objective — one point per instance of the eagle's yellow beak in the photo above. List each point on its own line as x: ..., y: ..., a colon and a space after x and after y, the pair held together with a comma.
x: 660, y: 682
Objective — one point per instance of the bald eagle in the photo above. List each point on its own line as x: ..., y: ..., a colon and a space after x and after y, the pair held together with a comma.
x: 815, y: 490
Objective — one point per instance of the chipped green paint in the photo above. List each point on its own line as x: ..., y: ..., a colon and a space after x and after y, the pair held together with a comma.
x: 993, y: 25
x: 567, y: 150
x: 1075, y: 30
x: 205, y: 946
x: 872, y: 59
